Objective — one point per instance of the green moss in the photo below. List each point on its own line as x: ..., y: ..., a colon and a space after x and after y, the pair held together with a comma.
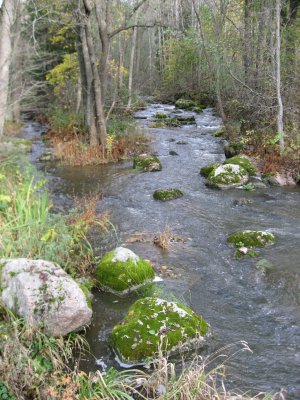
x: 121, y: 277
x: 207, y: 169
x: 219, y: 133
x: 146, y: 162
x: 160, y: 116
x: 189, y: 105
x: 251, y: 239
x: 251, y: 253
x: 151, y: 321
x: 167, y: 194
x: 86, y: 285
x: 243, y: 162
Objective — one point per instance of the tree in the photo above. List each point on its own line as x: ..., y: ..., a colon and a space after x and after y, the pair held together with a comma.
x: 7, y: 20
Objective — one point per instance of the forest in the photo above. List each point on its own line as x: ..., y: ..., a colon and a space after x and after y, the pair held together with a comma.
x: 120, y: 283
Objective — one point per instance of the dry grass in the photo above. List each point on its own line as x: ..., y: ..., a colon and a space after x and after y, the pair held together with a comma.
x: 199, y: 379
x: 72, y: 150
x: 165, y: 239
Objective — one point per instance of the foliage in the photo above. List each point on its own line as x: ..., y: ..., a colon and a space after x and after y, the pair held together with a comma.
x: 28, y: 229
x: 182, y: 61
x: 68, y: 70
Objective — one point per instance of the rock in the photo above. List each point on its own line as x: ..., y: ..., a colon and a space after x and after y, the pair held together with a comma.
x: 242, y: 202
x: 121, y: 271
x: 160, y: 115
x: 281, y: 179
x: 243, y: 162
x: 47, y: 156
x: 45, y: 295
x: 264, y: 266
x: 181, y: 142
x: 250, y: 238
x: 167, y: 194
x: 173, y: 153
x: 228, y: 176
x: 207, y: 169
x: 232, y: 149
x: 189, y: 105
x: 147, y: 162
x: 151, y: 322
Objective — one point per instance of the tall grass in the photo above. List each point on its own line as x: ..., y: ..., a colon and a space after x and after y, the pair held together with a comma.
x: 28, y: 228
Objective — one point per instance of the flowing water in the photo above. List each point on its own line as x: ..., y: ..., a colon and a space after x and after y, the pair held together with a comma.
x: 239, y: 301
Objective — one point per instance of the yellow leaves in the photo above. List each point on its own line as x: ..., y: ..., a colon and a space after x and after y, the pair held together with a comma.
x: 116, y: 69
x: 61, y: 73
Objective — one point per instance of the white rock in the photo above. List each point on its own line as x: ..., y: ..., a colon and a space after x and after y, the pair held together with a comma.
x: 122, y: 254
x: 45, y: 295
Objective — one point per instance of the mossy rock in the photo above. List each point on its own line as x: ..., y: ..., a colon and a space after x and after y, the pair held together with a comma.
x: 147, y: 162
x: 47, y: 156
x: 207, y: 169
x: 167, y: 194
x: 250, y: 238
x: 227, y: 176
x: 151, y: 322
x: 189, y: 105
x: 121, y: 271
x: 233, y: 149
x: 243, y: 162
x: 160, y: 116
x: 219, y: 133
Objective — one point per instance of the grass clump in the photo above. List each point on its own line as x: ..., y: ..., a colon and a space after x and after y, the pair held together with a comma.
x: 121, y: 271
x: 167, y: 194
x: 190, y: 105
x: 160, y: 116
x: 28, y: 229
x: 151, y: 322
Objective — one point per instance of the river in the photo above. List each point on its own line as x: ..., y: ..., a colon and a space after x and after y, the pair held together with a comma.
x: 239, y: 301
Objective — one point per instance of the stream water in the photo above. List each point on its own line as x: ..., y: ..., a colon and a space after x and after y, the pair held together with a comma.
x: 239, y: 301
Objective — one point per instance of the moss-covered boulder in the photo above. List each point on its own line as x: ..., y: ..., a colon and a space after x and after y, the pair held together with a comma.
x: 146, y: 162
x: 160, y: 115
x: 151, y: 321
x: 121, y: 271
x: 207, y: 169
x: 243, y: 162
x: 250, y: 238
x: 190, y: 105
x: 167, y: 194
x: 228, y: 176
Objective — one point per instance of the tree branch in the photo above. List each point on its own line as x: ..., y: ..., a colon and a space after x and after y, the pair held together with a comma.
x: 127, y: 27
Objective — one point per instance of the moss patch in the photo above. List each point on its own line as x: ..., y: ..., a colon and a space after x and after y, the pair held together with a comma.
x: 147, y: 162
x: 207, y: 169
x: 189, y: 105
x: 167, y: 194
x: 121, y: 271
x: 243, y: 162
x: 251, y: 239
x: 160, y: 116
x: 227, y: 176
x: 151, y: 321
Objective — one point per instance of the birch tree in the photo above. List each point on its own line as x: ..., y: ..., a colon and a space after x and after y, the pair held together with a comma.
x: 7, y: 20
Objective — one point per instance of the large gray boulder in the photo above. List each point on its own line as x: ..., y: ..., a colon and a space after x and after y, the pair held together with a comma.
x: 45, y: 295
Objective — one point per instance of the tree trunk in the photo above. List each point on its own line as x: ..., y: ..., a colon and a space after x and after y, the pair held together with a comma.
x: 278, y: 79
x: 247, y: 39
x: 131, y: 65
x: 5, y: 57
